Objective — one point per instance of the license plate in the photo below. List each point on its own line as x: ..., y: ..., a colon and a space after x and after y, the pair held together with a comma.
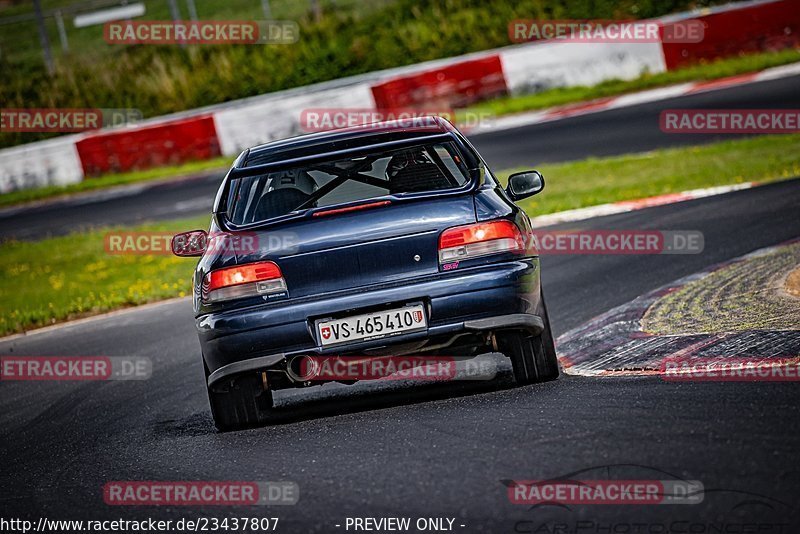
x: 372, y: 325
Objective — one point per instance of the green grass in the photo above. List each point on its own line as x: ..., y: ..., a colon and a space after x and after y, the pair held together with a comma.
x: 744, y: 296
x: 503, y: 106
x: 69, y: 277
x: 20, y: 40
x: 498, y: 107
x: 62, y: 278
x: 703, y: 71
x: 598, y: 181
x: 351, y: 37
x: 102, y: 182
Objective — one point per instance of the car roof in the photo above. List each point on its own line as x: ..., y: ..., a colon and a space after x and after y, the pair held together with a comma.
x: 344, y: 138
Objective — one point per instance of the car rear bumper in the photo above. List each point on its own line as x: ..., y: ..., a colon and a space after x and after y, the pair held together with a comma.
x: 503, y: 296
x: 519, y: 321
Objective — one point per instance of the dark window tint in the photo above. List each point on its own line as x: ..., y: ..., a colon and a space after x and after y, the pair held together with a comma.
x: 410, y: 170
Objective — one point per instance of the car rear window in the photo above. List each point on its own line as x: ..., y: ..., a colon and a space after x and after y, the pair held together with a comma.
x: 417, y: 169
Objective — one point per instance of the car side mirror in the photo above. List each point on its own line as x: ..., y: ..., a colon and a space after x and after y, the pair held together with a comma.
x: 188, y: 244
x: 524, y: 184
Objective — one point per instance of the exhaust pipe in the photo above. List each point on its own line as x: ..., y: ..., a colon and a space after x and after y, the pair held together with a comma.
x: 302, y: 368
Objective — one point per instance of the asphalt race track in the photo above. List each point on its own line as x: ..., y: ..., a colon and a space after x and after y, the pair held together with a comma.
x: 428, y: 450
x: 632, y: 129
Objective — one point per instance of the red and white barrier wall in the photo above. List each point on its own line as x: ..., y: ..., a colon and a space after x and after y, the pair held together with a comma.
x: 144, y: 147
x: 736, y: 29
x: 451, y: 86
x: 228, y: 128
x: 277, y: 115
x: 51, y: 162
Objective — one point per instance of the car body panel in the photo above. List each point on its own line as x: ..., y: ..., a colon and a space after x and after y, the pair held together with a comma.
x: 368, y: 260
x: 363, y: 248
x: 451, y: 298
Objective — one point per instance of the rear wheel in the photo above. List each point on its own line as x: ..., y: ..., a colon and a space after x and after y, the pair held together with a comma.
x: 240, y: 402
x: 533, y: 358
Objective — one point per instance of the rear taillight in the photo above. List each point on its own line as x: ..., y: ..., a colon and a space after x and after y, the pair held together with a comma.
x: 475, y: 240
x: 252, y: 279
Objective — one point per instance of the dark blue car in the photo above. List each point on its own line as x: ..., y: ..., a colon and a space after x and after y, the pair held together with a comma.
x: 387, y: 239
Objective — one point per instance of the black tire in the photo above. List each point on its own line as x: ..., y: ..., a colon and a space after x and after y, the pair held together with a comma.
x: 240, y: 402
x: 533, y: 358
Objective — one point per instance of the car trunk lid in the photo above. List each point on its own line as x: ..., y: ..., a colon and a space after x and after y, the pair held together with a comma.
x: 353, y: 249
